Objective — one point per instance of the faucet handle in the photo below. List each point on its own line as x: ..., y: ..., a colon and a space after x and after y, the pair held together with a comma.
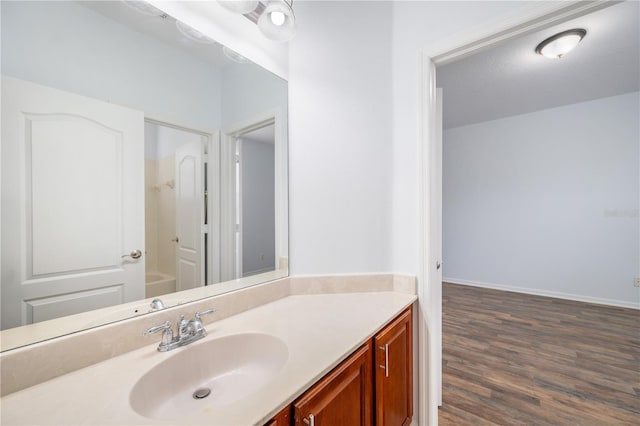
x: 167, y: 342
x: 207, y: 312
x: 198, y: 328
x: 164, y: 326
x: 167, y: 333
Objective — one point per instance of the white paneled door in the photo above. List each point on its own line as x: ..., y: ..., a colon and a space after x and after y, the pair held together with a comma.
x: 72, y: 203
x: 189, y: 214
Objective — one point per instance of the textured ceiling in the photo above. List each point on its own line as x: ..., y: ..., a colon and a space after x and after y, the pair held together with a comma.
x: 512, y: 79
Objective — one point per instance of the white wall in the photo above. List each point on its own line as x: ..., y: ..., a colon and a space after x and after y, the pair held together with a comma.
x: 547, y: 202
x: 340, y: 138
x: 249, y: 91
x: 70, y: 47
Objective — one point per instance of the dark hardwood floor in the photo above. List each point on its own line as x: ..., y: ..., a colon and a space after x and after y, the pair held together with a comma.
x: 516, y: 359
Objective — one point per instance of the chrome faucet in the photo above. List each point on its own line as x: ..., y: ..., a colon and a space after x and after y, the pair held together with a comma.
x: 187, y: 332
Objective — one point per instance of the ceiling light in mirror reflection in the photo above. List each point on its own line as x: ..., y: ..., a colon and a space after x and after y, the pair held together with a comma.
x: 235, y: 56
x: 193, y: 34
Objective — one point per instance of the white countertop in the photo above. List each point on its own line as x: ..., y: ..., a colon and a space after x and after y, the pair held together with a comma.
x: 320, y: 331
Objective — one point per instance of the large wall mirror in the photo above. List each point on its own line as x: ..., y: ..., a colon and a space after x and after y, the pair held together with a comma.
x: 140, y: 160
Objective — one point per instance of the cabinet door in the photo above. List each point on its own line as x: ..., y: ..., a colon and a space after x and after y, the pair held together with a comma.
x: 343, y: 397
x: 394, y: 372
x: 283, y: 418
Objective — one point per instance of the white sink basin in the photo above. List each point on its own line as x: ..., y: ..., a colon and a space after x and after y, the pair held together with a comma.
x: 231, y: 367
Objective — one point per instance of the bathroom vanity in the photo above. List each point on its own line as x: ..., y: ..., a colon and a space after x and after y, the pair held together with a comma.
x: 322, y: 349
x: 374, y: 382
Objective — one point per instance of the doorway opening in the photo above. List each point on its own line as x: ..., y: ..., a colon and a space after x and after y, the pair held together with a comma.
x: 430, y: 140
x: 176, y: 213
x: 432, y: 122
x: 249, y: 164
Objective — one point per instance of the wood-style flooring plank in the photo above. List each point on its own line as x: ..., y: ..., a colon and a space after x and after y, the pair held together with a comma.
x: 517, y: 359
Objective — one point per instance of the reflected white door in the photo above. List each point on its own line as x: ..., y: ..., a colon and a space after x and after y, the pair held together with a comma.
x: 189, y: 215
x: 72, y: 203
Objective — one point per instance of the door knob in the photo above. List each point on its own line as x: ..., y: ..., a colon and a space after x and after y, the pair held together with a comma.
x: 136, y: 254
x: 438, y: 265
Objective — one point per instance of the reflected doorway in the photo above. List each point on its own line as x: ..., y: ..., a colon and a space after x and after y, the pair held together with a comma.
x: 175, y: 209
x: 252, y: 197
x: 255, y: 201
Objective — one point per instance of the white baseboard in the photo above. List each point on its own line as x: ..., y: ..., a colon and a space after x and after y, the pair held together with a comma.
x: 547, y: 293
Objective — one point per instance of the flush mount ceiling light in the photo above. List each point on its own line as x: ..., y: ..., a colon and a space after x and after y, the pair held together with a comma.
x: 556, y: 46
x: 239, y: 6
x: 277, y: 22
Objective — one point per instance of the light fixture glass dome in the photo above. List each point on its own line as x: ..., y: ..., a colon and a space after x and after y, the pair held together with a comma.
x: 193, y: 34
x: 239, y: 6
x: 556, y: 46
x: 234, y: 56
x: 277, y: 22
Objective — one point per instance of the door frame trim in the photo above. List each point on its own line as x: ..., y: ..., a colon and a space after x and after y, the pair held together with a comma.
x: 210, y: 156
x: 277, y: 117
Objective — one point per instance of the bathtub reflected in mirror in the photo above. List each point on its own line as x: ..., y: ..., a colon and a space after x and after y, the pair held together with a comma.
x: 158, y: 284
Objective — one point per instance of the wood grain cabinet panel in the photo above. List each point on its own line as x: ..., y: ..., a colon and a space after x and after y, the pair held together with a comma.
x: 343, y: 397
x: 283, y: 418
x: 394, y: 372
x: 346, y: 397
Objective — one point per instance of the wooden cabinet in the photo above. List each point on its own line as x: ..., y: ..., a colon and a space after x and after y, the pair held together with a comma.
x: 374, y: 385
x: 283, y: 418
x: 394, y: 372
x: 343, y: 397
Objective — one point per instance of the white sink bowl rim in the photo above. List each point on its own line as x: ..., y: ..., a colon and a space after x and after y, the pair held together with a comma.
x: 232, y: 367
